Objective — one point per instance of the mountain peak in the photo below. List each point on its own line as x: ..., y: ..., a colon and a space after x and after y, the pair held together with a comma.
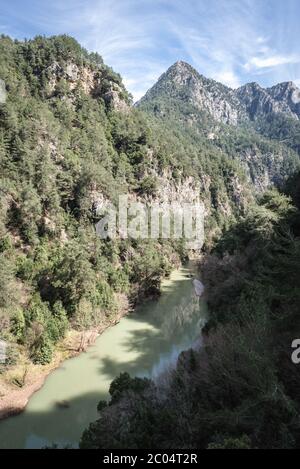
x: 287, y: 93
x: 183, y: 83
x: 179, y: 76
x: 250, y: 86
x: 181, y: 64
x: 287, y: 85
x: 181, y: 69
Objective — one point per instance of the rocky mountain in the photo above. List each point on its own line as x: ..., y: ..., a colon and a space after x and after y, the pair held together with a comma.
x: 70, y: 143
x: 258, y: 127
x: 182, y: 81
x: 288, y: 94
x: 259, y: 102
x: 241, y: 389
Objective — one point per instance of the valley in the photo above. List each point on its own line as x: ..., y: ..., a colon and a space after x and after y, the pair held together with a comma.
x: 71, y: 143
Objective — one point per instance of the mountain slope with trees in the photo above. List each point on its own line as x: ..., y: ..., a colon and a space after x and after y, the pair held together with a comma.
x: 241, y: 389
x: 256, y: 127
x: 70, y: 143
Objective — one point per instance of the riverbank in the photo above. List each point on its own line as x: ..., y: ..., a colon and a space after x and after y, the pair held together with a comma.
x: 20, y: 382
x: 145, y: 342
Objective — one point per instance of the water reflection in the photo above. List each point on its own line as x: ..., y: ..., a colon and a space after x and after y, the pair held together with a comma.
x: 143, y: 344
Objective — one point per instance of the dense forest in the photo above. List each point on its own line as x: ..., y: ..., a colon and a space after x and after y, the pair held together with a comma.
x: 71, y: 142
x: 63, y: 150
x: 241, y: 390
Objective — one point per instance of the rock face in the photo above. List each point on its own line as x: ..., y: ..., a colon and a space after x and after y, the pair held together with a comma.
x: 3, y: 346
x: 256, y: 101
x: 181, y: 81
x: 92, y: 81
x: 2, y: 92
x: 259, y: 102
x: 114, y: 98
x: 289, y: 96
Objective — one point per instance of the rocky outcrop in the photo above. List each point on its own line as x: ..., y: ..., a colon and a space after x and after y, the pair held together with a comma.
x: 288, y: 95
x: 114, y: 99
x: 91, y: 80
x: 263, y: 170
x: 73, y: 75
x: 256, y: 101
x: 259, y: 102
x: 2, y: 92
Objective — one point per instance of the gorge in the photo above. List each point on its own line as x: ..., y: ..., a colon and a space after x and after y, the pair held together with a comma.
x: 72, y: 142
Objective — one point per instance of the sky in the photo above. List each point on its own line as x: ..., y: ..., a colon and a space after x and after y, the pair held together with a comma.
x: 232, y: 41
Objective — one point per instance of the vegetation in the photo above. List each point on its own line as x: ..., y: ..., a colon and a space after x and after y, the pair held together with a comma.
x: 241, y: 390
x: 67, y: 148
x: 70, y: 144
x: 64, y: 150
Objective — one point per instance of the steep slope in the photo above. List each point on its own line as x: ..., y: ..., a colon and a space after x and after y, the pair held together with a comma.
x: 288, y: 94
x: 240, y: 390
x: 283, y: 98
x: 181, y: 81
x: 70, y: 144
x: 232, y: 121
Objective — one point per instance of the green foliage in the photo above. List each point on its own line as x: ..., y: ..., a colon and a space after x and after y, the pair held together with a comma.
x: 43, y: 351
x: 125, y: 383
x: 240, y: 390
x: 149, y: 185
x: 65, y: 150
x: 7, y: 282
x: 63, y: 147
x: 243, y: 442
x: 18, y: 325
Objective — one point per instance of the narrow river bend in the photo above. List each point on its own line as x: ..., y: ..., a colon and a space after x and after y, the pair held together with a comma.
x: 143, y: 344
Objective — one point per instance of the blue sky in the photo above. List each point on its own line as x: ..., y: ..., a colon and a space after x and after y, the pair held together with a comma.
x: 233, y: 41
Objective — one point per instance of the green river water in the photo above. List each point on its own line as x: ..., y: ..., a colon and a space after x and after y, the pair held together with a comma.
x: 144, y: 344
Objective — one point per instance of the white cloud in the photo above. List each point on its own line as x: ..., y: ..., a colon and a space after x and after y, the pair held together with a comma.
x: 219, y: 44
x: 228, y: 78
x: 271, y: 61
x: 232, y: 41
x: 140, y: 81
x: 125, y: 36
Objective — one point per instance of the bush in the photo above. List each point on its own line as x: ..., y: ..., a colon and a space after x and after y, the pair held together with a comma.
x: 43, y: 351
x: 17, y: 325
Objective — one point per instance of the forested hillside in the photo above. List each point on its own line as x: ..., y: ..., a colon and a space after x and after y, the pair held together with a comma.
x: 241, y: 390
x: 70, y: 143
x: 245, y: 125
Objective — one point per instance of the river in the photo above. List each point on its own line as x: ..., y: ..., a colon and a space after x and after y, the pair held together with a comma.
x: 144, y: 343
